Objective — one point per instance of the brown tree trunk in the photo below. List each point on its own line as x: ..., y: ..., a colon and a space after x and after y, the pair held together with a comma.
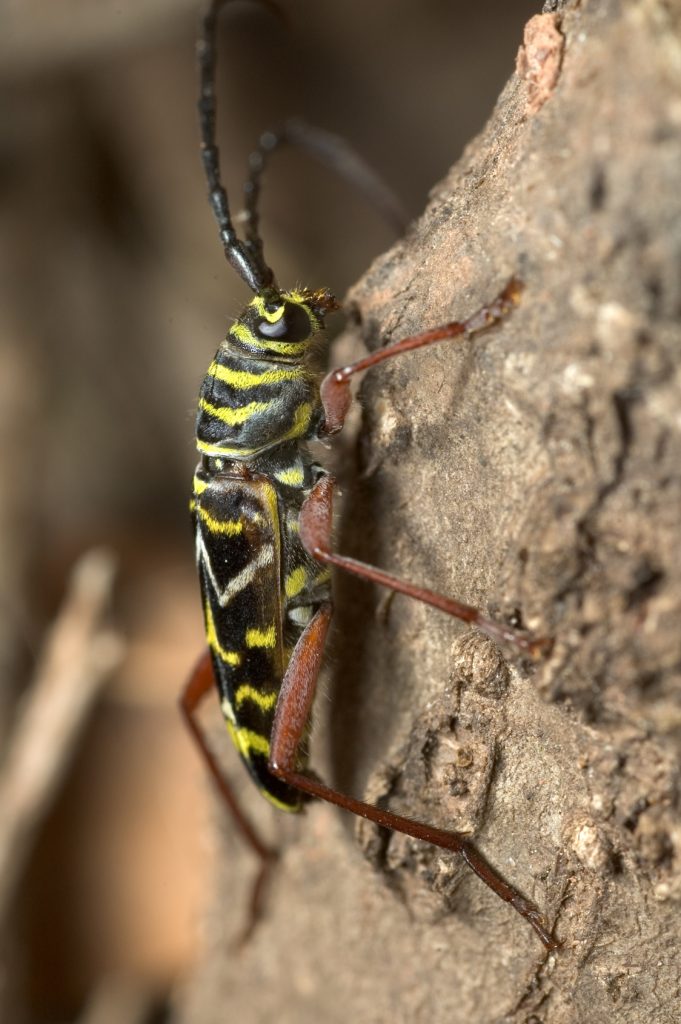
x: 533, y: 471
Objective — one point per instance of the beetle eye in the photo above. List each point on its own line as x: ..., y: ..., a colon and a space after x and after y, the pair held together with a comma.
x: 272, y: 329
x: 293, y: 325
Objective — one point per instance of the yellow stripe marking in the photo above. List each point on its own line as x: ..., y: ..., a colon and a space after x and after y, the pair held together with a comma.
x: 295, y: 582
x: 199, y: 485
x: 291, y: 808
x: 245, y: 740
x: 219, y: 451
x: 248, y: 740
x: 292, y: 523
x: 261, y: 637
x: 229, y: 657
x: 243, y: 333
x: 228, y: 527
x: 301, y: 422
x: 258, y: 304
x: 241, y: 379
x: 265, y: 701
x: 232, y: 417
x: 287, y: 348
x: 293, y: 476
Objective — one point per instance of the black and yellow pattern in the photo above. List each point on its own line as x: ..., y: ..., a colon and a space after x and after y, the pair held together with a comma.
x: 258, y: 404
x: 258, y: 392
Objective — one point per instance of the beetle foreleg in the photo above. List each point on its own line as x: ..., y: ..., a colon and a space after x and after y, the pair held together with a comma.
x: 335, y: 388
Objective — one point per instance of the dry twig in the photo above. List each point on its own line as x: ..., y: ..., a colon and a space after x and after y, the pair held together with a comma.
x: 79, y: 655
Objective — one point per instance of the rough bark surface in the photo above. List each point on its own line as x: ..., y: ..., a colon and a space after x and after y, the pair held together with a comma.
x: 534, y: 471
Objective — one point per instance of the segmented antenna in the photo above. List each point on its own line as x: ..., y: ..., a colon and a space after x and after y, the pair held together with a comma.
x: 247, y: 255
x: 254, y: 272
x: 329, y: 150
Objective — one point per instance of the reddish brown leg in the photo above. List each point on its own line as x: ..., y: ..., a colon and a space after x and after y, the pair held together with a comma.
x: 315, y: 533
x: 315, y: 518
x: 292, y: 713
x: 335, y: 389
x: 200, y: 683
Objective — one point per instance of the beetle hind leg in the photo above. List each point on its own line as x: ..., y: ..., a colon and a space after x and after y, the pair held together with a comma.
x: 200, y: 683
x: 290, y: 720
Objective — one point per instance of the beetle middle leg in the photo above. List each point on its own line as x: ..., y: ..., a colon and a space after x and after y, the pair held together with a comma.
x: 315, y: 533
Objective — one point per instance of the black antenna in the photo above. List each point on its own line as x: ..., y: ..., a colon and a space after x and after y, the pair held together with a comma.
x: 254, y: 272
x: 329, y: 150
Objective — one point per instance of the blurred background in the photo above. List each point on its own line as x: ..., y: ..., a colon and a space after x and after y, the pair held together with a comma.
x: 114, y: 295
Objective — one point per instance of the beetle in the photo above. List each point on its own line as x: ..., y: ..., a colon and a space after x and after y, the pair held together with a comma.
x: 262, y: 514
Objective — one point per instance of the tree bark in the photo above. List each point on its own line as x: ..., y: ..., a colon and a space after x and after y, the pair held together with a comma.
x: 533, y: 471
